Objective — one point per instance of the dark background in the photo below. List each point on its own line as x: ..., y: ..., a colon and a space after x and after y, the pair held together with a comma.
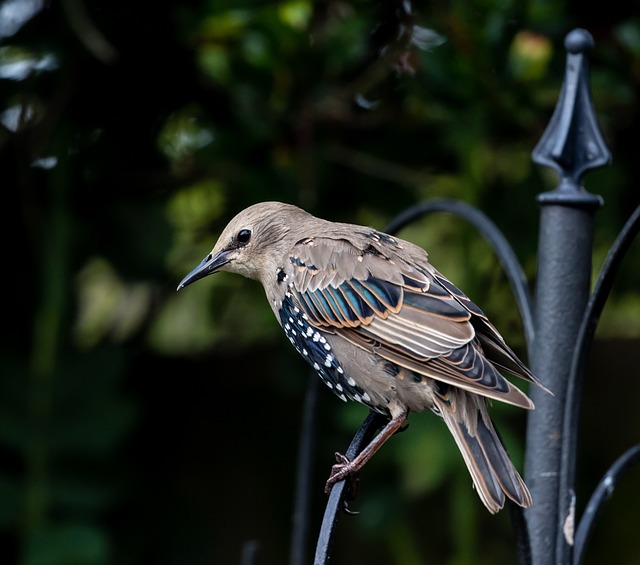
x: 140, y: 425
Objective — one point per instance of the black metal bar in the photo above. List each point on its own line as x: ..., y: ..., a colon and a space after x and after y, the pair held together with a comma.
x: 519, y: 525
x: 302, y: 497
x: 250, y: 552
x: 601, y: 494
x: 363, y: 436
x: 572, y: 144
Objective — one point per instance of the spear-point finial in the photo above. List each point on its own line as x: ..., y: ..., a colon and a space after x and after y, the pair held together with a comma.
x: 572, y: 144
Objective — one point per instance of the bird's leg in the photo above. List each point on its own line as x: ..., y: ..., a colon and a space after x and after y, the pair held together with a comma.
x: 345, y: 468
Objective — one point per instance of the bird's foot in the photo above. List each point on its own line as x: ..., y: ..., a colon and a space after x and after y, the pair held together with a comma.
x: 344, y: 470
x: 341, y: 470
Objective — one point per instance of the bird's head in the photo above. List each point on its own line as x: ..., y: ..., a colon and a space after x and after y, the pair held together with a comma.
x: 252, y: 242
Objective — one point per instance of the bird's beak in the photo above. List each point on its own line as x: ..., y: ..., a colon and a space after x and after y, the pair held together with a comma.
x: 210, y: 264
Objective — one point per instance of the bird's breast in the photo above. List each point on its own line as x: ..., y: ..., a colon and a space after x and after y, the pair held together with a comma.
x: 315, y: 346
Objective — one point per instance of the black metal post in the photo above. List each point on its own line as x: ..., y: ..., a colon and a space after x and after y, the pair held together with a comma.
x: 302, y: 499
x: 572, y: 144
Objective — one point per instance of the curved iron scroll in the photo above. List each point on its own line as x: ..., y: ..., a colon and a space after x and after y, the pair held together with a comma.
x: 517, y: 279
x: 501, y: 247
x: 600, y: 495
x: 587, y: 330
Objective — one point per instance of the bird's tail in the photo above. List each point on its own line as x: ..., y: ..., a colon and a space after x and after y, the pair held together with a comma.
x: 491, y: 469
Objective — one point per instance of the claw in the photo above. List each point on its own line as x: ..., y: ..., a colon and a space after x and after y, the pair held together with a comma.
x: 347, y: 510
x: 350, y: 492
x: 343, y: 470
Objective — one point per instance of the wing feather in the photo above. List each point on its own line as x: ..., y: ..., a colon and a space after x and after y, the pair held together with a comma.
x: 408, y: 314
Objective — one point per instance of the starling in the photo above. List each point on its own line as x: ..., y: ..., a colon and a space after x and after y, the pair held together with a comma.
x: 380, y: 325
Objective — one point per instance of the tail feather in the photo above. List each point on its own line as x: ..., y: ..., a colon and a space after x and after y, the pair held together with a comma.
x: 510, y: 480
x: 489, y: 465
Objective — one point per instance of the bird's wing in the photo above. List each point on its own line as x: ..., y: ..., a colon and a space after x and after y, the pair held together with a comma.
x: 407, y: 313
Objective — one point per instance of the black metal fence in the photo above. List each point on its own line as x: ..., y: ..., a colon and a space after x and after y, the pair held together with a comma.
x: 558, y: 327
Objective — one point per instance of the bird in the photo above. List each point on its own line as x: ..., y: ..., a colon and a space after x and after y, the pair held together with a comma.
x: 381, y: 326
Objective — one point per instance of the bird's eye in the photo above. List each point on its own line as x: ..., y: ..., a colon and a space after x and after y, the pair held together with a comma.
x: 243, y: 237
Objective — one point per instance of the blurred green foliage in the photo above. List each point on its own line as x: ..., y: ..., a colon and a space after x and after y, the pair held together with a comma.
x: 140, y: 425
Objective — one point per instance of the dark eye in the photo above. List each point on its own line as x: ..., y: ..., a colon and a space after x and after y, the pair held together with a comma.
x: 243, y: 237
